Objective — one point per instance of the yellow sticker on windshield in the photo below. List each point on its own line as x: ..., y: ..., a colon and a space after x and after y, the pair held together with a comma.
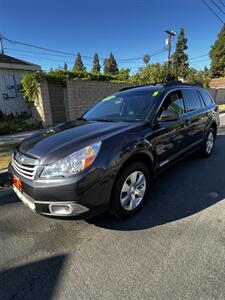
x: 108, y: 98
x: 155, y: 93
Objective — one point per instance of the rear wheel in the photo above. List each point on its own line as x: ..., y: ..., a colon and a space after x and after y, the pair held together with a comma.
x: 208, y: 145
x: 131, y: 190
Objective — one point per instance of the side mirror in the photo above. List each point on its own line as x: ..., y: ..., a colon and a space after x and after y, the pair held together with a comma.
x: 168, y: 115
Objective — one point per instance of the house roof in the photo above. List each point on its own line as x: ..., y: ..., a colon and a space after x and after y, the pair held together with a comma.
x: 6, y: 59
x: 217, y: 83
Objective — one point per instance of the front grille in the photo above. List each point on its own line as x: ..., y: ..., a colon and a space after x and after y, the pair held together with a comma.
x: 25, y: 169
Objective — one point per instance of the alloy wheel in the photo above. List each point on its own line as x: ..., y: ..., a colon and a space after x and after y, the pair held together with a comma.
x: 210, y: 142
x: 133, y: 190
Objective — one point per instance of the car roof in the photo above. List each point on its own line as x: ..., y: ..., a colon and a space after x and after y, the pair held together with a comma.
x: 168, y: 85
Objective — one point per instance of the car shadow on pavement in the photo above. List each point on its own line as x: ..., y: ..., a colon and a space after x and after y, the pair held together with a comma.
x: 36, y: 280
x: 8, y: 196
x: 187, y: 188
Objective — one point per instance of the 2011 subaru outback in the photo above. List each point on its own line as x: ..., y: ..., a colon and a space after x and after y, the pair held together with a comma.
x: 106, y: 159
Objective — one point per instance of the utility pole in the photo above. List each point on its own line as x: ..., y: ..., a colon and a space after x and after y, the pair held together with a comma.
x: 168, y: 44
x: 1, y: 43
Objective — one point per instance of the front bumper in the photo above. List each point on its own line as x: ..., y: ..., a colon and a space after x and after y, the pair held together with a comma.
x: 58, y: 209
x: 80, y: 196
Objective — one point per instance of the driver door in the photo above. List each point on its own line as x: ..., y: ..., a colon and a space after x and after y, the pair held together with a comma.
x: 170, y: 136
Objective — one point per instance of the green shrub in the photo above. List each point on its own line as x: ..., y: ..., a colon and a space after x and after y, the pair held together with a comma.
x: 30, y: 82
x: 11, y: 124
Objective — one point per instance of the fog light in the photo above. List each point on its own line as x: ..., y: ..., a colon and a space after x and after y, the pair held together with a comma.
x: 61, y: 209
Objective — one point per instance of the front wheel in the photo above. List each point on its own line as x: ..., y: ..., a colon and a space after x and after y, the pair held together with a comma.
x: 208, y: 145
x: 131, y: 190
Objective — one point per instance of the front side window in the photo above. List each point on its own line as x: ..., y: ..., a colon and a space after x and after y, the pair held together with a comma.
x: 192, y: 99
x: 174, y: 101
x: 124, y: 106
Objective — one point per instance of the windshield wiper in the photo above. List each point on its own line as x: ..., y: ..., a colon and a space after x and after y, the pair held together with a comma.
x: 81, y: 119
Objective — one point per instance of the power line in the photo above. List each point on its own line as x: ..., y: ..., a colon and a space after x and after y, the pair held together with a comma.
x: 47, y: 58
x: 220, y: 9
x: 65, y: 60
x: 60, y: 55
x: 199, y: 56
x: 13, y: 51
x: 39, y: 53
x: 222, y: 3
x: 195, y: 66
x: 218, y: 17
x: 195, y: 61
x: 40, y: 48
x: 58, y: 60
x: 74, y: 55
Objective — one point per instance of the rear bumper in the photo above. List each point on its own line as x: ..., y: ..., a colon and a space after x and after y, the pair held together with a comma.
x: 80, y: 196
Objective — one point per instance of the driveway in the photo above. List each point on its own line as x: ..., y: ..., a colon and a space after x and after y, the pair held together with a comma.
x: 173, y: 249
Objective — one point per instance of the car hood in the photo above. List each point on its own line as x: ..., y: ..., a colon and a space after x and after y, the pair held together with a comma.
x: 59, y: 141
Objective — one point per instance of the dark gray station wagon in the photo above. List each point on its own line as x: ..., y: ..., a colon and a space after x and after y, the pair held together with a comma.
x: 106, y: 159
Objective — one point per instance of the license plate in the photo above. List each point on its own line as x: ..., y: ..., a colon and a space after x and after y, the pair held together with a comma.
x: 17, y: 183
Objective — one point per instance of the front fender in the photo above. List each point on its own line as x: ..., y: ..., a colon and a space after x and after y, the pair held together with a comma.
x: 126, y: 148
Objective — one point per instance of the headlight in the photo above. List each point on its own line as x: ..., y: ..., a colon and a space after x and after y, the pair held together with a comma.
x: 74, y: 163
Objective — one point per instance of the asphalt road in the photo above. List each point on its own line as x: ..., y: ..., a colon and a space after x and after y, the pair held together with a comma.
x: 173, y: 249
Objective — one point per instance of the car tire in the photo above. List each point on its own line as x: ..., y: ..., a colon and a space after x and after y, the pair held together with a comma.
x: 130, y: 191
x: 208, y: 144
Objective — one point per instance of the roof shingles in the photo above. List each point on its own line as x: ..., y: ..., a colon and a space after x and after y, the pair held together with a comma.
x: 12, y: 60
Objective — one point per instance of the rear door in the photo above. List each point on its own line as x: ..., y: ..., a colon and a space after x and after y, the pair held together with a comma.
x: 196, y: 116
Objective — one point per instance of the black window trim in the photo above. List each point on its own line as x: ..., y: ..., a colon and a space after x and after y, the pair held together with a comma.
x: 167, y: 94
x: 179, y: 90
x: 201, y: 98
x: 154, y: 120
x: 212, y: 101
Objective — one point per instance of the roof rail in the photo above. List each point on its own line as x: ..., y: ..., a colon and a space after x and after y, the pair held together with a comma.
x: 178, y: 82
x: 131, y: 87
x: 173, y: 82
x: 165, y: 84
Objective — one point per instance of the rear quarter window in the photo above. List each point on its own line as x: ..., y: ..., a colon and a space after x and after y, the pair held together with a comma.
x: 206, y: 98
x: 192, y: 99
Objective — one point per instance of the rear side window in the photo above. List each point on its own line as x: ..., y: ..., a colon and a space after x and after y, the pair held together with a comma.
x: 192, y: 99
x: 207, y: 99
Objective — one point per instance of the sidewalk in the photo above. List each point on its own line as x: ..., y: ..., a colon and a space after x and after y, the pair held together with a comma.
x: 16, y: 136
x: 4, y: 140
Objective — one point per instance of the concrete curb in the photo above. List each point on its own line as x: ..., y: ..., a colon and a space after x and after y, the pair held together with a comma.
x: 3, y: 171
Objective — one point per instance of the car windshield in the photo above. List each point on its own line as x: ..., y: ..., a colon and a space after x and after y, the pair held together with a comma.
x: 124, y: 106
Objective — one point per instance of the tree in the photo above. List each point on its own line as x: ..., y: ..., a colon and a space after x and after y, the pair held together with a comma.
x: 146, y: 59
x: 201, y: 77
x: 152, y: 74
x: 106, y: 66
x: 65, y: 67
x: 110, y: 65
x: 96, y: 65
x: 217, y: 55
x: 79, y: 66
x: 123, y: 75
x: 180, y: 58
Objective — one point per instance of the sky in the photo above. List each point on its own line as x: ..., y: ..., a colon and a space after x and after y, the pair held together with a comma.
x: 128, y: 28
